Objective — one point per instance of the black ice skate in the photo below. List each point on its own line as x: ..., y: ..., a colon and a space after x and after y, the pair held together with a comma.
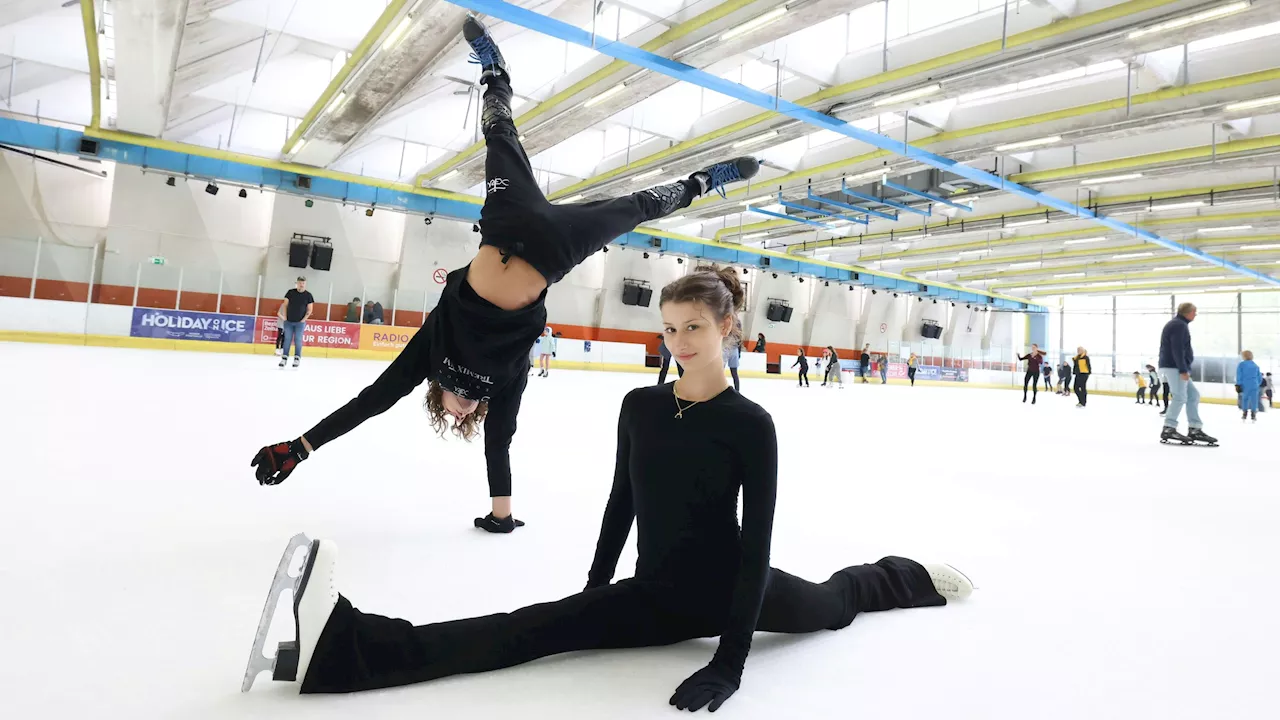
x: 1199, y: 436
x: 484, y: 51
x: 489, y: 523
x: 314, y: 597
x: 1171, y: 434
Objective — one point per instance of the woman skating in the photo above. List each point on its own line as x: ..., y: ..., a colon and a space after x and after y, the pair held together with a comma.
x: 912, y: 363
x: 803, y: 362
x: 1032, y: 376
x: 1249, y: 385
x: 546, y: 349
x: 473, y: 348
x: 1083, y: 369
x: 684, y: 453
x: 832, y: 373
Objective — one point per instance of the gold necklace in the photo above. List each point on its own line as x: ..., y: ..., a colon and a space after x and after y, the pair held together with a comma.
x: 680, y: 410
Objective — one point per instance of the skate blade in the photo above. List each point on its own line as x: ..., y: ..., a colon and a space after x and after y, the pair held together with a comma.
x: 287, y: 651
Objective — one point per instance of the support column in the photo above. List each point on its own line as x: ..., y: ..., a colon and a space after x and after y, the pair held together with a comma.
x: 1113, y: 336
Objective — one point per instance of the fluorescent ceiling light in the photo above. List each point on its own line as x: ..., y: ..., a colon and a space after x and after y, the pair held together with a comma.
x: 1177, y: 267
x: 973, y: 252
x: 1082, y: 241
x: 1110, y: 179
x: 605, y: 95
x: 1029, y: 143
x: 1192, y: 19
x: 756, y: 139
x: 752, y: 236
x: 449, y: 175
x: 651, y: 173
x: 1259, y: 247
x: 1067, y: 275
x: 1177, y: 206
x: 669, y: 220
x: 769, y: 199
x: 754, y: 23
x: 1024, y: 223
x: 571, y: 198
x: 398, y: 34
x: 920, y: 92
x: 1238, y: 36
x: 337, y: 102
x: 297, y: 146
x: 1228, y: 228
x: 1126, y: 256
x: 1251, y: 104
x: 1015, y: 266
x: 917, y: 236
x: 1214, y: 277
x: 866, y: 175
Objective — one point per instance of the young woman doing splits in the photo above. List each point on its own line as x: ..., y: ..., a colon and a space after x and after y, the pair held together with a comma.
x: 685, y: 450
x: 474, y: 345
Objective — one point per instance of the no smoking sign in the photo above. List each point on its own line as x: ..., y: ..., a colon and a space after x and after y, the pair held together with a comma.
x: 439, y: 276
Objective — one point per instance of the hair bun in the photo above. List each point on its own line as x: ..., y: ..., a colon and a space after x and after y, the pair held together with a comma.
x: 729, y: 276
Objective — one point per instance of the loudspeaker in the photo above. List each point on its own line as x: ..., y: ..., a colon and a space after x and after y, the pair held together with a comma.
x: 88, y: 146
x: 645, y: 297
x: 786, y: 314
x: 630, y: 294
x: 321, y: 256
x: 298, y: 254
x: 931, y: 330
x: 773, y: 313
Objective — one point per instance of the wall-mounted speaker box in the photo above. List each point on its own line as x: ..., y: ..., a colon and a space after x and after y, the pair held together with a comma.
x: 302, y: 182
x: 646, y: 297
x: 931, y: 330
x: 298, y: 254
x: 786, y: 313
x: 88, y: 146
x: 321, y: 257
x: 778, y: 313
x: 630, y: 294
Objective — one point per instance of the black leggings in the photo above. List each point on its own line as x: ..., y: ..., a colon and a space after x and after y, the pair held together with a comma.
x: 518, y: 220
x: 666, y: 364
x: 1142, y: 395
x: 1082, y: 390
x: 804, y: 376
x: 358, y: 651
x: 1032, y: 377
x: 737, y: 384
x: 911, y: 375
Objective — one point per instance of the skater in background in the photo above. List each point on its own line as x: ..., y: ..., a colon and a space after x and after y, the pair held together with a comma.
x: 666, y: 361
x: 732, y: 354
x: 1048, y: 377
x: 803, y: 362
x: 473, y: 348
x: 1249, y: 385
x: 293, y: 315
x: 912, y: 363
x: 833, y: 368
x: 761, y: 345
x: 864, y: 363
x: 546, y: 346
x: 1064, y: 379
x: 1176, y: 357
x: 698, y: 574
x: 884, y: 369
x: 1032, y: 376
x: 1154, y: 384
x: 1081, y: 368
x: 1142, y: 388
x: 1268, y: 389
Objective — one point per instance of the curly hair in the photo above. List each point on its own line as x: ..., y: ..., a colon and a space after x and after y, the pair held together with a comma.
x: 441, y: 421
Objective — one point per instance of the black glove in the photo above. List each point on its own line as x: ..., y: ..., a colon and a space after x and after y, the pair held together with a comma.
x: 708, y: 685
x: 275, y: 462
x: 1237, y: 389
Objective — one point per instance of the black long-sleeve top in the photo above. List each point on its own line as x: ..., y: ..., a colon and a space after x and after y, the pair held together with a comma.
x: 1033, y: 361
x: 679, y: 479
x: 474, y: 348
x: 803, y: 362
x: 1175, y: 345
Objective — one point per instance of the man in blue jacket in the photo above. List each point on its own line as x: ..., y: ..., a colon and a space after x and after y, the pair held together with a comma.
x: 1176, y: 357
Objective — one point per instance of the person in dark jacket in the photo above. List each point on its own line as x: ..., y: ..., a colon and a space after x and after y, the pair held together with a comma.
x: 353, y: 311
x: 1064, y: 379
x: 666, y: 361
x: 1047, y: 369
x: 1154, y: 392
x: 1176, y: 357
x: 761, y: 345
x: 1083, y: 368
x: 803, y: 362
x: 1032, y: 376
x: 864, y: 363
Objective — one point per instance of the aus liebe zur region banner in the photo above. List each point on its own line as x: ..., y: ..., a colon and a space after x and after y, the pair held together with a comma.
x: 318, y: 333
x: 187, y: 325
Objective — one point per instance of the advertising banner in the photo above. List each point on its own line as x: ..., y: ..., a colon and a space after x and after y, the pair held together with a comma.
x: 188, y: 325
x: 898, y: 371
x: 385, y: 338
x: 318, y: 333
x: 949, y: 374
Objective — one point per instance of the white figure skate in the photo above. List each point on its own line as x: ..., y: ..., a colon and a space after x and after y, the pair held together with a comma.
x: 949, y: 582
x: 314, y: 597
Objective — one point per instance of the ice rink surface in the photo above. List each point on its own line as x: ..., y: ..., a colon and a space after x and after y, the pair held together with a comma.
x: 1118, y: 578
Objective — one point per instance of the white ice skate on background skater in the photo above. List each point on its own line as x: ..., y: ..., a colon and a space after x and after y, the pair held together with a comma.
x: 314, y: 597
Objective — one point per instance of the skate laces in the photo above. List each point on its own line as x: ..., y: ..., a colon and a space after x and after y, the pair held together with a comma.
x: 722, y: 174
x: 484, y: 52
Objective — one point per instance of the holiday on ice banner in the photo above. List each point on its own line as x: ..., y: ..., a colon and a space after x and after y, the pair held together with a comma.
x: 188, y: 325
x: 318, y: 333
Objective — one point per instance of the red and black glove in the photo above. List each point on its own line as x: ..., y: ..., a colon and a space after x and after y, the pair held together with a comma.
x: 275, y: 462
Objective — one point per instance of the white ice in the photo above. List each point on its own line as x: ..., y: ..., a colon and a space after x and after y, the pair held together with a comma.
x: 1118, y: 578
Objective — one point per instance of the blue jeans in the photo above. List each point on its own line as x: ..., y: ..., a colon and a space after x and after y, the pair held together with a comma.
x: 1181, y: 392
x: 293, y: 336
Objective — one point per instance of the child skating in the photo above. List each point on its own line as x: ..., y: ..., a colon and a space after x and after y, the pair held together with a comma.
x: 1249, y: 385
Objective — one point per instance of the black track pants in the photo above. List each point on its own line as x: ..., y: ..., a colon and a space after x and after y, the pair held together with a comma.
x: 911, y: 374
x: 804, y: 377
x: 1082, y: 388
x: 519, y: 220
x: 358, y: 651
x: 1033, y: 378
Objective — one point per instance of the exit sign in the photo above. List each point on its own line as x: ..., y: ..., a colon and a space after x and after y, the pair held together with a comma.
x: 156, y: 260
